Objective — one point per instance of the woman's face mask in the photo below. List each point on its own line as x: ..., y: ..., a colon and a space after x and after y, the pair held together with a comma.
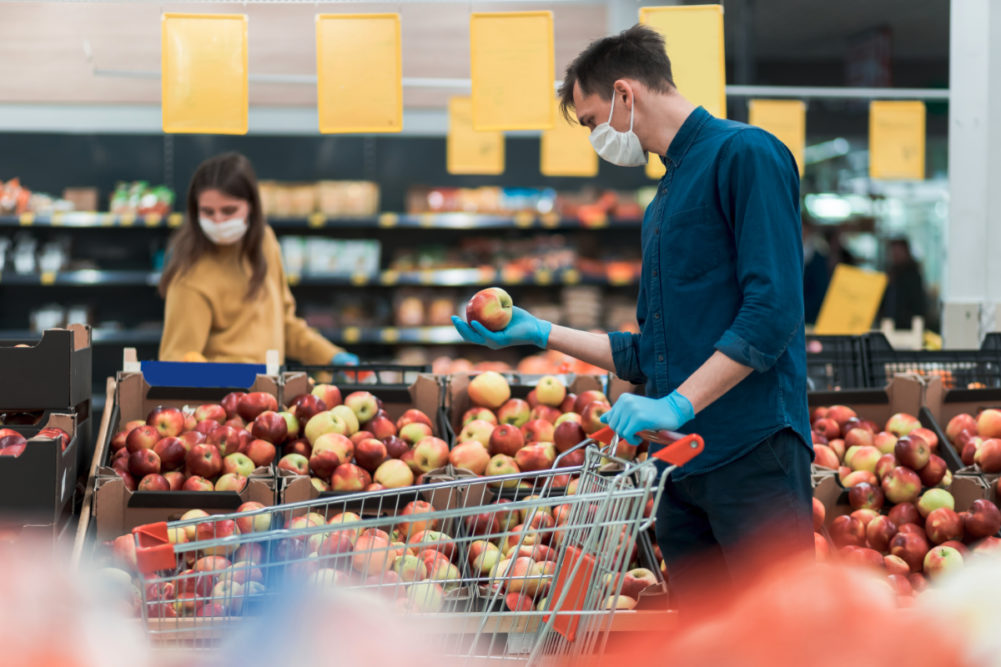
x: 222, y: 218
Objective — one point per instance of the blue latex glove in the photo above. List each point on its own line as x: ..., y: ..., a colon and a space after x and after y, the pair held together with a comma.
x: 632, y: 414
x: 344, y: 359
x: 524, y: 329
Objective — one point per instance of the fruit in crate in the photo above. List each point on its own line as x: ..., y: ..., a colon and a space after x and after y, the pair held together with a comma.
x: 489, y: 389
x: 471, y: 456
x: 492, y: 307
x: 251, y: 405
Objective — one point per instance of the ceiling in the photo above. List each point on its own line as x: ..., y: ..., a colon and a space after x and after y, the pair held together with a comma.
x: 42, y: 44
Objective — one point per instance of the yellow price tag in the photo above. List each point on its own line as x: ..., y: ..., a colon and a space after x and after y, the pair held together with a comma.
x: 293, y: 279
x: 57, y: 219
x: 351, y: 335
x: 426, y: 277
x: 543, y: 277
x: 427, y: 220
x: 175, y: 219
x: 550, y: 220
x: 390, y: 335
x: 571, y: 277
x: 786, y: 119
x: 48, y: 278
x: 423, y: 335
x: 26, y: 219
x: 203, y: 80
x: 512, y: 67
x: 897, y: 140
x: 523, y: 219
x: 388, y: 220
x: 153, y: 220
x: 127, y: 220
x: 389, y: 277
x: 316, y: 220
x: 359, y: 279
x: 469, y: 151
x: 694, y: 38
x: 106, y: 219
x: 359, y: 53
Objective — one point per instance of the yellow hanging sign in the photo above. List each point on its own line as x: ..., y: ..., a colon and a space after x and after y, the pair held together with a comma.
x: 512, y: 66
x: 786, y: 119
x: 359, y: 73
x: 469, y: 151
x: 851, y: 302
x: 897, y: 140
x: 694, y: 39
x: 204, y: 73
x: 566, y: 151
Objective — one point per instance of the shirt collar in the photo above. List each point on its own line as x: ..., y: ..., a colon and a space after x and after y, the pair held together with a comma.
x: 685, y: 137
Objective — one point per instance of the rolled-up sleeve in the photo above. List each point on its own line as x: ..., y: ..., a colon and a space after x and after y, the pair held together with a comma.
x: 626, y: 346
x: 759, y: 187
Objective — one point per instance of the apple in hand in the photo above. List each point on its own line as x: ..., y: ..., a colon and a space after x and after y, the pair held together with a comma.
x: 492, y: 307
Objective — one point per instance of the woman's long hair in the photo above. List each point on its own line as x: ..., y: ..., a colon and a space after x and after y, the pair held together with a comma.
x: 233, y: 175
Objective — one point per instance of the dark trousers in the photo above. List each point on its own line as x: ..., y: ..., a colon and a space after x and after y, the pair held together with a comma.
x: 711, y: 528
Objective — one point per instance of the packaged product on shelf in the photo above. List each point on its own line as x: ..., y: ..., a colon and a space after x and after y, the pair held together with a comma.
x: 13, y: 197
x: 138, y: 198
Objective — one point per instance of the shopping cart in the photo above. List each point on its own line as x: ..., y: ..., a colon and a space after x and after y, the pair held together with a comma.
x: 522, y: 566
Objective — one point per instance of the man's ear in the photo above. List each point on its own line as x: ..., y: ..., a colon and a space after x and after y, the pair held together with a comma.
x: 624, y: 92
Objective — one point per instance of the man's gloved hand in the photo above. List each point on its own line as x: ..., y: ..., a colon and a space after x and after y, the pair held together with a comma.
x: 632, y: 414
x: 524, y: 329
x: 344, y: 359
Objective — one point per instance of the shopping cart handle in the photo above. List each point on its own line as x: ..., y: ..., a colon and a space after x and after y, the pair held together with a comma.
x: 681, y: 451
x: 153, y: 548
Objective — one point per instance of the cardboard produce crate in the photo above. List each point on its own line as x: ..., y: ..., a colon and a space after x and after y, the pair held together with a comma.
x: 37, y: 488
x: 426, y: 394
x: 116, y: 509
x: 53, y: 373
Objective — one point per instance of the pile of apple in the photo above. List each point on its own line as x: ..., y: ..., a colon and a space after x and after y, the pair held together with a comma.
x: 515, y: 552
x: 13, y: 443
x: 978, y: 440
x: 920, y: 535
x: 214, y: 447
x: 502, y: 435
x: 352, y: 445
x: 215, y: 581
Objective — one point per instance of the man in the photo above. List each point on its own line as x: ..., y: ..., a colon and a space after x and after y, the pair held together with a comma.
x: 721, y: 347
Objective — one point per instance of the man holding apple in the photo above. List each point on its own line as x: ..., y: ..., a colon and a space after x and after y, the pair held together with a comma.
x: 721, y: 348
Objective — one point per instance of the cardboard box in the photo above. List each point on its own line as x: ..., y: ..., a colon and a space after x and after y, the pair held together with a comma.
x: 946, y: 404
x: 458, y: 395
x: 38, y: 487
x: 53, y: 373
x: 904, y: 393
x: 425, y: 394
x: 116, y: 509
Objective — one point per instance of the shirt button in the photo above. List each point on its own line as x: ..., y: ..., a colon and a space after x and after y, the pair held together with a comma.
x: 656, y: 316
x: 656, y: 231
x: 660, y: 357
x: 655, y: 273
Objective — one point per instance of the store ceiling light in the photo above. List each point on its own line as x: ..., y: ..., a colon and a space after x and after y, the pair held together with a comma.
x: 828, y: 207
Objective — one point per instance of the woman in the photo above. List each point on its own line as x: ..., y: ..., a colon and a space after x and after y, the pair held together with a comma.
x: 224, y: 283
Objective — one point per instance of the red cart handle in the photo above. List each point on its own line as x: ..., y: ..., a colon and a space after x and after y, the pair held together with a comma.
x: 680, y: 448
x: 153, y: 548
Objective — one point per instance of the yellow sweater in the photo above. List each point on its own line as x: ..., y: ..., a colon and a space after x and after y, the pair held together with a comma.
x: 206, y: 312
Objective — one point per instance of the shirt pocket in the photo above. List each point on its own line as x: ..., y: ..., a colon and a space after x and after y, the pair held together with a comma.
x: 694, y: 241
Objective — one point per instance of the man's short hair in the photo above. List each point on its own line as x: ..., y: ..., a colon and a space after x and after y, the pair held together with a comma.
x: 637, y: 53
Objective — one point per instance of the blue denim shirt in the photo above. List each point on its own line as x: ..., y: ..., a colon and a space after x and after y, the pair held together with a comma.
x: 723, y: 270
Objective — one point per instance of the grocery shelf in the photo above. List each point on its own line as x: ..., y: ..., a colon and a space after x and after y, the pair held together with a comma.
x: 445, y: 335
x: 386, y: 278
x: 99, y: 336
x: 84, y: 220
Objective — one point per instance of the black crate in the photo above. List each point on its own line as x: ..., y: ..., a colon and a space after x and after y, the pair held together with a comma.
x: 363, y: 376
x: 834, y: 362
x: 51, y: 373
x: 958, y: 369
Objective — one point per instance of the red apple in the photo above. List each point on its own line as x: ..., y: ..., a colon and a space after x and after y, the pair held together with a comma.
x: 536, y: 456
x: 226, y: 438
x: 959, y: 423
x: 901, y: 485
x: 819, y: 512
x: 168, y: 422
x: 847, y: 530
x: 175, y: 479
x: 988, y: 455
x: 911, y: 547
x: 823, y: 456
x: 904, y: 513
x: 934, y: 470
x: 171, y: 451
x: 545, y: 413
x: 307, y: 406
x: 270, y: 426
x: 396, y: 447
x: 827, y: 428
x: 505, y: 439
x: 363, y: 404
x: 943, y: 525
x: 349, y: 478
x: 261, y: 452
x: 370, y: 453
x: 206, y: 426
x: 492, y: 307
x: 989, y: 424
x: 590, y: 418
x: 255, y: 403
x: 295, y: 463
x: 299, y: 446
x: 865, y: 496
x: 211, y: 411
x: 865, y: 515
x: 927, y: 435
x: 329, y: 394
x: 885, y: 464
x: 142, y: 437
x: 859, y: 437
x: 912, y: 452
x: 483, y: 414
x: 537, y: 430
x: 431, y: 453
x: 879, y: 532
x: 587, y: 397
x: 197, y: 483
x: 203, y: 460
x: 895, y: 565
x: 885, y: 442
x: 982, y: 520
x: 515, y: 411
x: 568, y: 402
x: 192, y: 438
x: 230, y: 403
x: 471, y: 456
x: 144, y: 462
x: 381, y: 427
x: 153, y: 482
x: 231, y: 481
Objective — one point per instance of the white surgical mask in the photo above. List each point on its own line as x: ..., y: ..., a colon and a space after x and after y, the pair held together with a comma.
x: 226, y: 232
x: 619, y: 148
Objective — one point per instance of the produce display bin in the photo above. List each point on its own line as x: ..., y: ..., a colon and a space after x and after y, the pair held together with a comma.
x: 424, y: 392
x: 38, y: 487
x: 53, y: 372
x: 958, y: 369
x: 117, y: 509
x: 835, y: 362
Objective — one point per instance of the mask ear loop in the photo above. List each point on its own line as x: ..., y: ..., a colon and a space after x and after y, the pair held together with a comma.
x: 612, y: 110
